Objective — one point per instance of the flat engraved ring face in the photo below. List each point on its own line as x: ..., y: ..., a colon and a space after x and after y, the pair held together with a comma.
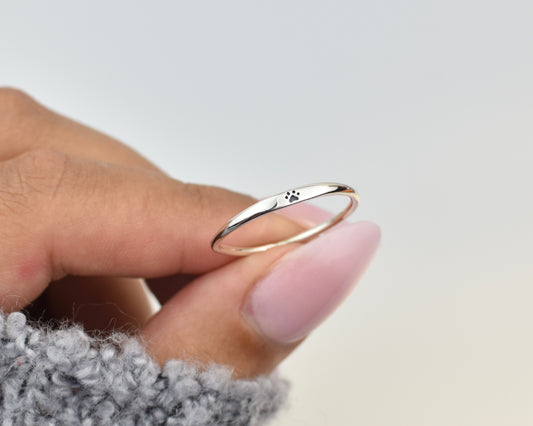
x: 281, y: 201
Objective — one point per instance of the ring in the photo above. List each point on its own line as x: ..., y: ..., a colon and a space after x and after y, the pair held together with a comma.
x: 281, y: 201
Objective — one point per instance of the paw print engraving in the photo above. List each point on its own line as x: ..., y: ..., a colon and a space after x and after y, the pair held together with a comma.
x: 292, y: 196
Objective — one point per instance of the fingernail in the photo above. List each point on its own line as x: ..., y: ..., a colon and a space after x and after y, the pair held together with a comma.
x: 306, y: 214
x: 306, y: 285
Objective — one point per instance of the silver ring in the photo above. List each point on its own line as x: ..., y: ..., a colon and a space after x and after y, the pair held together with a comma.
x: 281, y: 201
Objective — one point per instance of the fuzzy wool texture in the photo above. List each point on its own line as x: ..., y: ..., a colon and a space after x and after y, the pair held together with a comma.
x: 65, y: 377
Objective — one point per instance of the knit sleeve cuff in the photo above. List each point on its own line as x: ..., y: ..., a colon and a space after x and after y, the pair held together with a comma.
x: 65, y: 376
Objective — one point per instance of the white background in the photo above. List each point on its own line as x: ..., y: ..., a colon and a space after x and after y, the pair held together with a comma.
x: 426, y: 107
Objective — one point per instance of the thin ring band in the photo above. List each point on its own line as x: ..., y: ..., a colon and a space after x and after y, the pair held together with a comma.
x: 280, y: 201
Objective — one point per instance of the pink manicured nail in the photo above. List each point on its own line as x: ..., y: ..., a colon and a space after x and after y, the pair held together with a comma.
x: 306, y: 214
x: 308, y: 283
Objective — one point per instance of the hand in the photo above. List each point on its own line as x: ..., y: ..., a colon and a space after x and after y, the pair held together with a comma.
x: 92, y: 221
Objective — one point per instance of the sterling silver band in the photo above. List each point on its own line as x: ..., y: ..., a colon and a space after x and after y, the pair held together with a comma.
x: 281, y: 201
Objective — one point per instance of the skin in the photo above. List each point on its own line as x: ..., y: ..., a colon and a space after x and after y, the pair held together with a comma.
x: 86, y: 222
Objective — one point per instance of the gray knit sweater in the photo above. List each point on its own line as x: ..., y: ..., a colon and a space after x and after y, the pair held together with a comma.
x: 63, y: 376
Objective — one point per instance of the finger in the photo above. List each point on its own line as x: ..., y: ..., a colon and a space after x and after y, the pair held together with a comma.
x: 25, y: 125
x: 68, y: 215
x: 251, y: 313
x: 305, y: 215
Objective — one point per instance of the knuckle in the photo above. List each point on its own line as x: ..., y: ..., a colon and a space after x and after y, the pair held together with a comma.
x: 17, y: 109
x: 35, y: 174
x: 14, y: 100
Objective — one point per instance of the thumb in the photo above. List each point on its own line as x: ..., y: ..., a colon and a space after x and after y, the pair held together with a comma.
x: 250, y: 314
